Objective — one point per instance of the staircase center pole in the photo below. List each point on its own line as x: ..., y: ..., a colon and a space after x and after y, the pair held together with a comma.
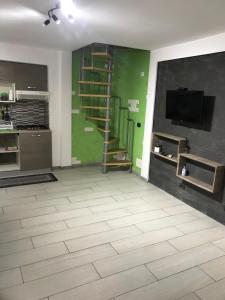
x: 107, y: 124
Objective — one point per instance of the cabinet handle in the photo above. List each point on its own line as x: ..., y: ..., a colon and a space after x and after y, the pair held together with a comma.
x: 36, y: 135
x: 31, y: 87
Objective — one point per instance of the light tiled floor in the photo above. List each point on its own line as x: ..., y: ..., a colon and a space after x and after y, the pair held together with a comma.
x: 91, y: 236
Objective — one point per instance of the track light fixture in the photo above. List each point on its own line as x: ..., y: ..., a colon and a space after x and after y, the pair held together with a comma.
x: 52, y: 16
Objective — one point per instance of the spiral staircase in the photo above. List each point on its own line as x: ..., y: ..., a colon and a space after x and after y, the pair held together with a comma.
x: 102, y: 108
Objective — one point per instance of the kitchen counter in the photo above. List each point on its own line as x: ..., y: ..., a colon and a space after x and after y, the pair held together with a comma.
x: 14, y: 131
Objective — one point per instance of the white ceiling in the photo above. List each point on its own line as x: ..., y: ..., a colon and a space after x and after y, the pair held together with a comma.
x: 144, y: 24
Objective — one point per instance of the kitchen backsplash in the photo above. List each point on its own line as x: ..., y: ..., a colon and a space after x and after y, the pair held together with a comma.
x: 29, y: 112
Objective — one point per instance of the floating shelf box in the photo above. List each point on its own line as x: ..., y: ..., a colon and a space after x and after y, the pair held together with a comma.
x: 218, y: 172
x: 160, y: 136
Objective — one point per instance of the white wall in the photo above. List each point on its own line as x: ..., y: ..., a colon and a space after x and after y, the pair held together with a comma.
x: 59, y: 80
x: 207, y: 45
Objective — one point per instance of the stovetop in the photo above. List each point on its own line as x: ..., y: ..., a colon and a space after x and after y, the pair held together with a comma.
x: 31, y: 127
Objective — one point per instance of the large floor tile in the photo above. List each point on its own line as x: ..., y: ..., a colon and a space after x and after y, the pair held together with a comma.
x: 102, y: 238
x: 69, y: 234
x: 16, y: 246
x: 197, y: 225
x: 171, y: 288
x: 215, y: 291
x: 98, y: 217
x: 146, y: 239
x: 59, y: 216
x: 165, y: 222
x: 30, y: 232
x: 179, y: 209
x: 191, y: 296
x: 215, y: 268
x: 133, y: 259
x: 31, y: 256
x: 138, y: 218
x: 10, y: 278
x: 18, y: 215
x: 34, y: 205
x: 109, y: 287
x: 184, y: 260
x: 8, y: 226
x: 87, y: 203
x: 220, y: 243
x: 50, y: 285
x: 65, y: 262
x: 198, y: 238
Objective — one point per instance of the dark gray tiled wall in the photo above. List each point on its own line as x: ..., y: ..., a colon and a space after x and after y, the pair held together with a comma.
x: 206, y: 73
x: 29, y: 112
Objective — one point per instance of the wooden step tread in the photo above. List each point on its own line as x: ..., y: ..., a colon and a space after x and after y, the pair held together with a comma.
x: 95, y: 82
x: 101, y: 54
x: 116, y: 151
x: 96, y: 69
x: 98, y: 118
x: 112, y: 140
x: 94, y: 95
x: 118, y: 163
x: 103, y: 129
x: 94, y: 107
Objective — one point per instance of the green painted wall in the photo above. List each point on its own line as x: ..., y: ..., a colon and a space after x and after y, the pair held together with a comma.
x: 128, y: 83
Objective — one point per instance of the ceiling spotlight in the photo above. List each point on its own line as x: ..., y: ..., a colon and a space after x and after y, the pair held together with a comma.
x: 56, y: 19
x: 46, y: 22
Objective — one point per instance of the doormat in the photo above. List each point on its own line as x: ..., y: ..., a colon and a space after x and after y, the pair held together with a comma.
x: 26, y: 180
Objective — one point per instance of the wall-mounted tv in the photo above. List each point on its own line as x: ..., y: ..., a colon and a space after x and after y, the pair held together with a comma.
x: 185, y: 106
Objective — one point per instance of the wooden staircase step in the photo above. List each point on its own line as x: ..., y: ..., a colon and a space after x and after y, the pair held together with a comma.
x: 118, y: 163
x: 96, y: 69
x: 102, y: 129
x: 94, y: 96
x: 94, y: 82
x: 94, y: 107
x: 111, y: 141
x: 101, y: 54
x: 116, y: 151
x: 98, y: 118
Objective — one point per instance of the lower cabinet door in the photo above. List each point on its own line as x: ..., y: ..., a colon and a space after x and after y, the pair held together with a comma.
x: 35, y: 150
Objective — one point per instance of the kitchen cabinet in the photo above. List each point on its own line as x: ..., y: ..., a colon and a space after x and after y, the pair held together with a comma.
x: 7, y: 71
x: 31, y: 77
x: 28, y: 77
x: 35, y: 150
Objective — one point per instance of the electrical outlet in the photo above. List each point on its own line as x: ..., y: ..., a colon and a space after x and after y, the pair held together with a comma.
x: 73, y: 93
x: 88, y: 129
x: 75, y: 161
x: 75, y: 111
x: 133, y: 105
x: 142, y: 74
x: 138, y: 163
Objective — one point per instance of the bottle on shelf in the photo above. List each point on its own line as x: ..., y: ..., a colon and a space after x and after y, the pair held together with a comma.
x: 184, y: 171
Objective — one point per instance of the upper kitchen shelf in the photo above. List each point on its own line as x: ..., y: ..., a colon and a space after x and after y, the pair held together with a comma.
x: 7, y: 92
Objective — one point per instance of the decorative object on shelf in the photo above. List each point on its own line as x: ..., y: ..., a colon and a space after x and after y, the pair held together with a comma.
x: 157, y: 148
x: 216, y: 168
x: 4, y: 125
x: 184, y: 171
x: 7, y: 92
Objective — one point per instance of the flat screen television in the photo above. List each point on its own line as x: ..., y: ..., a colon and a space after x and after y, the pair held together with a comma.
x: 185, y: 106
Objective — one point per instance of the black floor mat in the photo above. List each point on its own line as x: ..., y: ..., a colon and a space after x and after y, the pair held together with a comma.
x: 26, y: 180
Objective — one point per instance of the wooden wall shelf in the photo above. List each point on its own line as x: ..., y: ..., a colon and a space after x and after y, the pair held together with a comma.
x: 218, y: 172
x: 160, y: 136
